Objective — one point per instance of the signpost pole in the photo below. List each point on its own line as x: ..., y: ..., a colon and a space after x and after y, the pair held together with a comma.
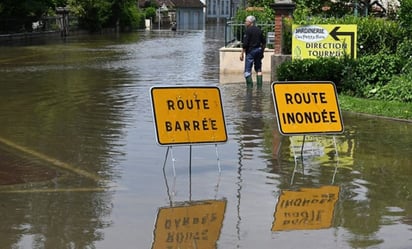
x: 167, y: 153
x: 173, y: 161
x: 301, y: 148
x: 190, y: 173
x: 337, y: 159
x: 218, y: 160
x: 167, y: 185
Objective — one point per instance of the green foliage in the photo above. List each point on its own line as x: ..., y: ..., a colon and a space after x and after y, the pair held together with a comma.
x: 377, y: 34
x: 151, y: 3
x: 307, y: 9
x: 260, y: 3
x: 99, y: 14
x: 366, y: 77
x: 369, y: 72
x: 322, y: 69
x: 376, y: 107
x: 23, y: 13
x: 383, y: 69
x: 262, y: 16
x: 398, y: 89
x: 287, y: 36
x: 374, y: 34
x: 150, y: 13
x: 383, y: 53
x: 405, y: 16
x: 92, y: 15
x: 130, y: 17
x: 404, y: 52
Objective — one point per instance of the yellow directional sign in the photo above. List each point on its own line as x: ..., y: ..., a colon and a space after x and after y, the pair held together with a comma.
x: 307, y: 107
x: 309, y: 208
x: 315, y: 41
x: 191, y: 226
x: 188, y: 115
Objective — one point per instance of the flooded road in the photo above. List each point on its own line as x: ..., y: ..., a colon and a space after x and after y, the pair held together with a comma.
x: 80, y: 166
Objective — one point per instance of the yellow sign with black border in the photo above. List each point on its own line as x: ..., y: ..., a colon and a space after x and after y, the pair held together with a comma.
x: 188, y: 115
x: 307, y: 108
x: 323, y: 40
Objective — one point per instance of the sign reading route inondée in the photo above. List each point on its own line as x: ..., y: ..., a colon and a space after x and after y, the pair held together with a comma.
x: 307, y: 108
x: 188, y: 115
x: 315, y: 41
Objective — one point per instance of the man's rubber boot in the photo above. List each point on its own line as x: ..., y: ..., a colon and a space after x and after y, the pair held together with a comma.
x: 249, y: 82
x: 259, y: 81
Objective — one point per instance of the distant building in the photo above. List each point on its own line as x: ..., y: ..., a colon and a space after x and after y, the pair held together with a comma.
x: 190, y: 14
x: 221, y: 10
x: 178, y: 14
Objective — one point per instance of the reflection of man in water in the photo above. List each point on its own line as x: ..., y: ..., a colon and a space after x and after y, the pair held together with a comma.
x: 254, y: 44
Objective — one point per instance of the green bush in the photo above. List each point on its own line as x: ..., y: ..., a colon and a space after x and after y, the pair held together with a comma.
x: 361, y: 78
x: 398, y: 89
x: 150, y: 13
x: 405, y: 16
x: 376, y: 35
x: 262, y: 17
x: 94, y: 16
x: 322, y: 69
x: 404, y: 52
x: 131, y: 18
x: 369, y: 72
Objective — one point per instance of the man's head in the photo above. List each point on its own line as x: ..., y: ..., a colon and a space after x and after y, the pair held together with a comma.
x: 250, y: 20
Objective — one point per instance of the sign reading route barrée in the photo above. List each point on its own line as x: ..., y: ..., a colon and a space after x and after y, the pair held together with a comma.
x: 188, y: 115
x: 307, y: 108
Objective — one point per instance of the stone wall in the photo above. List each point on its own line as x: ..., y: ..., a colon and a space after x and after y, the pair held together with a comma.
x: 231, y: 68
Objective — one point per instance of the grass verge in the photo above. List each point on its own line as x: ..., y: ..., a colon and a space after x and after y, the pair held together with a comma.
x: 389, y: 109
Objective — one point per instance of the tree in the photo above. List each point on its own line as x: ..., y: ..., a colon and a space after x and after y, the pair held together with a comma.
x: 94, y: 15
x: 20, y: 14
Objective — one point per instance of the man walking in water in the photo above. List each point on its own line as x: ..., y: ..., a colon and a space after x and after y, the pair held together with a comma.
x: 254, y: 44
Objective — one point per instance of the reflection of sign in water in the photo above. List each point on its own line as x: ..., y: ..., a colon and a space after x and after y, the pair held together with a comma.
x: 307, y: 107
x: 311, y: 147
x: 305, y: 209
x: 322, y: 149
x: 186, y: 115
x: 195, y: 225
x: 316, y: 41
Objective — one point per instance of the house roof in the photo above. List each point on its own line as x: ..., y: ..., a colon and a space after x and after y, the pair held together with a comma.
x: 188, y: 3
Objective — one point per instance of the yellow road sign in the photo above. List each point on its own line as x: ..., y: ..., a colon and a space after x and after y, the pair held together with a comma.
x: 193, y: 225
x: 307, y: 107
x: 315, y: 41
x: 188, y: 115
x: 309, y: 208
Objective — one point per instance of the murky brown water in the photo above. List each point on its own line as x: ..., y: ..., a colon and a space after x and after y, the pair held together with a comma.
x: 80, y: 167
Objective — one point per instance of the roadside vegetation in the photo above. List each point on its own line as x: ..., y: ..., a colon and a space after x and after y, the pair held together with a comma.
x: 379, y: 80
x: 94, y: 16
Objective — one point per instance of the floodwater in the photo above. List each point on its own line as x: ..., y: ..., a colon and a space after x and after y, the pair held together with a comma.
x: 80, y: 166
